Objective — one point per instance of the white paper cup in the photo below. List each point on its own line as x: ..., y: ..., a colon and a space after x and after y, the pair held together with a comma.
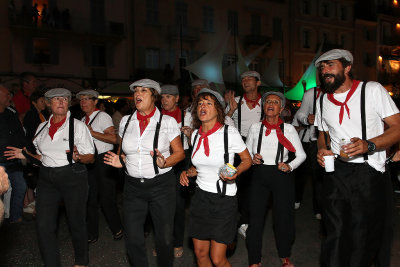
x: 329, y: 163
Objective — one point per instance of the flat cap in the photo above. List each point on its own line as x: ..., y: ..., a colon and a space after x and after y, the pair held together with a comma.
x: 250, y: 73
x: 335, y: 54
x: 214, y: 93
x: 57, y: 92
x: 200, y: 82
x: 169, y: 89
x: 279, y: 94
x: 91, y: 93
x: 146, y: 83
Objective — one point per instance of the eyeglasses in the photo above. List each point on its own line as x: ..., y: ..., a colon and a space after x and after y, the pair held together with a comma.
x: 61, y: 98
x: 272, y: 102
x: 86, y: 99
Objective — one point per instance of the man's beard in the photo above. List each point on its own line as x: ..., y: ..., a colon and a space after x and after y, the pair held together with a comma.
x: 328, y: 87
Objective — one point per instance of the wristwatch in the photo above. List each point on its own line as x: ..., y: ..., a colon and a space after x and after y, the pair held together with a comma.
x: 371, y: 146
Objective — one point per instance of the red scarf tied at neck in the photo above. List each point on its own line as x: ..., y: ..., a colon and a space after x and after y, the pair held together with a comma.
x: 87, y: 117
x: 54, y: 126
x: 143, y: 120
x: 281, y: 138
x: 176, y: 114
x: 205, y: 137
x: 337, y: 103
x: 253, y: 103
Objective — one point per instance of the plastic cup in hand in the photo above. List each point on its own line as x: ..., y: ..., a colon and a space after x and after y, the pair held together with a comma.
x: 344, y: 142
x: 329, y: 163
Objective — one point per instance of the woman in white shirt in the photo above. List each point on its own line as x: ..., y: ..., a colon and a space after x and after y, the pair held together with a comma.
x: 269, y: 143
x: 62, y: 175
x: 147, y: 137
x: 213, y: 211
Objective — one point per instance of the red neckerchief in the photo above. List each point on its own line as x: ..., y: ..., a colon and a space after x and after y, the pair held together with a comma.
x: 205, y: 137
x: 176, y: 114
x: 281, y: 138
x: 253, y: 103
x: 337, y: 103
x: 318, y: 92
x: 87, y: 117
x: 143, y: 120
x: 54, y: 126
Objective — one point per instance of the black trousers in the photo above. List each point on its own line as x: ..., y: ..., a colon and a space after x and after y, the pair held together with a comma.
x: 268, y: 181
x: 316, y: 176
x: 182, y: 196
x: 71, y: 185
x: 157, y: 196
x: 354, y: 210
x: 102, y: 189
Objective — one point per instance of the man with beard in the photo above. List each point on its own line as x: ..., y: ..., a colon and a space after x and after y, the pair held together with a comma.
x: 355, y: 206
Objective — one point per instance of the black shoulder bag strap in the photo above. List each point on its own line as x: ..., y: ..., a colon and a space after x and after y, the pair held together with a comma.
x: 363, y: 119
x: 328, y: 146
x: 71, y: 140
x: 240, y: 115
x: 222, y: 192
x: 279, y: 151
x: 41, y: 129
x: 183, y: 123
x: 260, y: 139
x: 120, y: 144
x: 155, y: 144
x: 90, y: 123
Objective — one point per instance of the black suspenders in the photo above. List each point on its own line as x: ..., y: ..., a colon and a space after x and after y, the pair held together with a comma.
x: 240, y: 114
x: 183, y: 123
x: 279, y: 151
x: 71, y: 140
x: 90, y: 123
x: 155, y: 145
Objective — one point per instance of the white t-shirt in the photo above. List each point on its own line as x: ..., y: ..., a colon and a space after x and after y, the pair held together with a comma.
x: 304, y: 133
x: 248, y: 116
x: 208, y: 167
x: 100, y: 124
x: 306, y: 109
x: 269, y: 145
x: 378, y: 106
x: 54, y: 151
x: 136, y: 147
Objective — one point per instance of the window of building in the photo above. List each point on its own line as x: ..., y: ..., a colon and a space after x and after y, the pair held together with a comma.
x: 326, y: 38
x: 152, y: 57
x: 208, y: 19
x: 343, y: 13
x: 98, y: 55
x: 306, y: 7
x: 181, y: 13
x: 306, y: 39
x: 255, y: 24
x: 342, y: 40
x: 152, y: 12
x: 41, y: 51
x: 97, y: 15
x: 233, y: 21
x: 277, y: 28
x: 367, y: 34
x: 367, y: 59
x: 325, y: 9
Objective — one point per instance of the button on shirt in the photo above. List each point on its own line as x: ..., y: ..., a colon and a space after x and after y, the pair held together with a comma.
x: 269, y: 145
x: 208, y: 167
x: 139, y: 162
x: 248, y: 116
x: 378, y: 106
x: 53, y: 151
x: 100, y: 124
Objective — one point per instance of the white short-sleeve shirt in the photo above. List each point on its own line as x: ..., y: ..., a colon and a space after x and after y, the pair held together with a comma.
x: 208, y: 167
x: 53, y: 151
x: 306, y: 109
x: 378, y: 106
x: 139, y: 162
x: 102, y: 122
x: 269, y: 145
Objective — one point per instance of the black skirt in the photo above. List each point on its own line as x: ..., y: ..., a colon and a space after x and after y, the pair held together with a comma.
x: 213, y: 217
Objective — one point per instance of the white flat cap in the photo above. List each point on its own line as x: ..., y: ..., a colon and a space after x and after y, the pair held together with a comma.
x: 169, y: 89
x: 91, y: 93
x: 57, y: 92
x: 214, y: 93
x: 146, y: 83
x: 250, y: 73
x: 279, y: 94
x: 335, y: 54
x: 200, y: 82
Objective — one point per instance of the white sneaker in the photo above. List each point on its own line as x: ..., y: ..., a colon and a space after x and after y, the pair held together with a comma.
x: 296, y: 205
x: 30, y: 208
x: 242, y: 230
x: 318, y: 216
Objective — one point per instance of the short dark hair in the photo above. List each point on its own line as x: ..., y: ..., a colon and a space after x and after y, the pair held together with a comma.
x: 122, y: 102
x: 35, y: 96
x: 24, y: 77
x: 218, y: 106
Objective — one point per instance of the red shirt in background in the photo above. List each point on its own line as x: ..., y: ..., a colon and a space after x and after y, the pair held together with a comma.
x: 21, y: 102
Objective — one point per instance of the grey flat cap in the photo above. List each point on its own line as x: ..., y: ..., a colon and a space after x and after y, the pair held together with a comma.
x: 200, y: 82
x: 169, y: 89
x: 281, y: 96
x: 146, y: 83
x: 335, y: 54
x: 57, y: 92
x: 214, y: 93
x: 250, y: 73
x: 91, y: 93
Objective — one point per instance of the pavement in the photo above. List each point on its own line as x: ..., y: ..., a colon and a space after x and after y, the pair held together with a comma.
x: 19, y: 246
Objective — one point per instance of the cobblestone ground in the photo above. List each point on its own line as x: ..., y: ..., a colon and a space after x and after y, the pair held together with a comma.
x: 19, y: 247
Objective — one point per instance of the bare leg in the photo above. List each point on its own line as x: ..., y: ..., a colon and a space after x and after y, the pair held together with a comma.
x: 202, y: 251
x: 218, y: 254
